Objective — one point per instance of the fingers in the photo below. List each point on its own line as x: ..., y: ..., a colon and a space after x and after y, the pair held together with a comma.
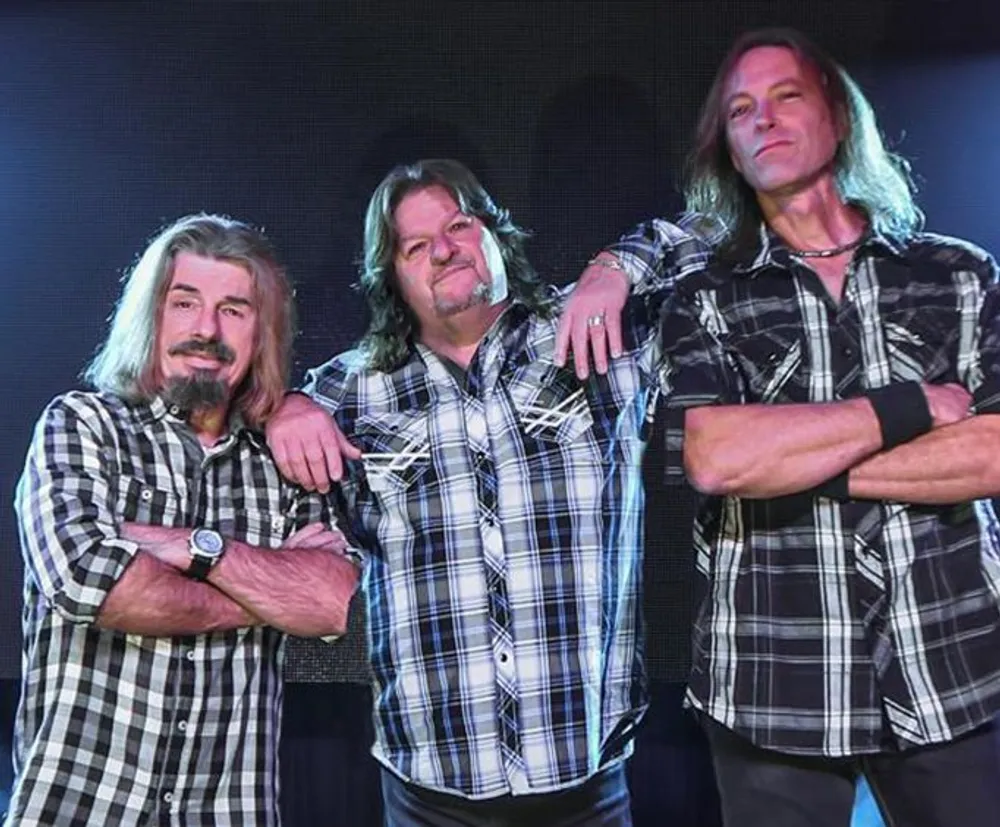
x: 562, y: 339
x: 317, y: 536
x: 300, y: 471
x: 599, y: 346
x: 581, y: 352
x: 314, y: 464
x: 285, y: 459
x: 347, y: 448
x: 302, y: 536
x: 316, y: 460
x: 613, y: 326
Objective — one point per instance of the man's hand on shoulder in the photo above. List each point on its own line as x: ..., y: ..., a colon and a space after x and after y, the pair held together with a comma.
x: 308, y: 447
x: 591, y: 320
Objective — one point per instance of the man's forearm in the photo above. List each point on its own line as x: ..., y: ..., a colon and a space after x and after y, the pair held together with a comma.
x: 763, y: 451
x: 303, y: 591
x: 954, y: 464
x: 153, y: 598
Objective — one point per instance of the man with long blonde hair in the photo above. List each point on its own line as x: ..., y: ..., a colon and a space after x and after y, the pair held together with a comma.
x: 165, y: 557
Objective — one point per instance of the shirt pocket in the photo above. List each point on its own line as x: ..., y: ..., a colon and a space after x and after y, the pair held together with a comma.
x: 919, y: 349
x: 551, y: 404
x: 136, y: 501
x: 395, y: 449
x: 769, y: 364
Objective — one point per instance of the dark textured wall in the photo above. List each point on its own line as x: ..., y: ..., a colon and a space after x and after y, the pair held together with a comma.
x: 117, y: 117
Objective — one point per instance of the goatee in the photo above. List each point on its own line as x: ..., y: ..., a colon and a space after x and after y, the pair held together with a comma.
x: 199, y: 391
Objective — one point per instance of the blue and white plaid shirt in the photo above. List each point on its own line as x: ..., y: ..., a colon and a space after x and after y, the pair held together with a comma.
x: 502, y: 514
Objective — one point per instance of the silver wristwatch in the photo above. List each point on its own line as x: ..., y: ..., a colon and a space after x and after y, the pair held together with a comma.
x: 206, y: 547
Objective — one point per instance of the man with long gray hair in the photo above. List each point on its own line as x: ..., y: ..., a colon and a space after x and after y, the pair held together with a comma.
x: 832, y: 386
x: 498, y: 501
x: 165, y: 557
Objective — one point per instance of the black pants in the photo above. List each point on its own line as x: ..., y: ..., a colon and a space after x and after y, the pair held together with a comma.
x: 948, y: 785
x: 602, y: 801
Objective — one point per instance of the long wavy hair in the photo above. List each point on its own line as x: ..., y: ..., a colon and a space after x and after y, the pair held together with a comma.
x: 868, y: 175
x: 127, y: 363
x: 393, y: 326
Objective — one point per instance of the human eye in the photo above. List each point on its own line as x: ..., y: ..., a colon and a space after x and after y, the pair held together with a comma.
x: 410, y: 250
x: 460, y: 224
x: 738, y: 110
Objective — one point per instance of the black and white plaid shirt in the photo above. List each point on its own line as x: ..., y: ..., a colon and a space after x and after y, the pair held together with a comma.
x: 839, y: 628
x: 121, y: 729
x: 502, y: 511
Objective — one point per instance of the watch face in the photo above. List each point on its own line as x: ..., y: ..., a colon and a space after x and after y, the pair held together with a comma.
x: 208, y: 542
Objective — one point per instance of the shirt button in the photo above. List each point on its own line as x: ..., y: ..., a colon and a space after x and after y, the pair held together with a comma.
x: 146, y: 495
x: 504, y: 657
x: 168, y: 797
x: 182, y: 726
x: 848, y: 351
x: 190, y: 654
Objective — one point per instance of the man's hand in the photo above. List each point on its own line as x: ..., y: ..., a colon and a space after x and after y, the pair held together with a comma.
x: 592, y: 316
x: 317, y: 535
x: 307, y: 445
x: 168, y: 545
x: 948, y: 403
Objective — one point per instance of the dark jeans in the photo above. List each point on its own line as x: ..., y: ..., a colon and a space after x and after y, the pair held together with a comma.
x: 948, y: 785
x: 602, y: 801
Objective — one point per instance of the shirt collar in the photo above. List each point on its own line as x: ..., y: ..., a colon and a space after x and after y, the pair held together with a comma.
x: 772, y: 251
x: 157, y: 409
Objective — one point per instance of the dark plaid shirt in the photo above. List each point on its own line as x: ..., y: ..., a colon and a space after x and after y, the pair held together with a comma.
x: 838, y: 628
x: 122, y: 729
x: 502, y: 511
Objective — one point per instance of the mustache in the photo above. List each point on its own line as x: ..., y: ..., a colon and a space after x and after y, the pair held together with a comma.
x: 213, y: 348
x: 452, y: 264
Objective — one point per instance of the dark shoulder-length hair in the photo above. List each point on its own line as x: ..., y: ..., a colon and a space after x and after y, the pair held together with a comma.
x: 127, y: 364
x: 867, y: 174
x: 393, y: 326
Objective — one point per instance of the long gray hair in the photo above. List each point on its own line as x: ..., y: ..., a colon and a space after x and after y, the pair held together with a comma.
x: 127, y: 363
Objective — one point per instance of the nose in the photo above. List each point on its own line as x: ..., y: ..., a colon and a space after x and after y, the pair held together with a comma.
x: 764, y: 119
x: 442, y: 248
x: 206, y: 325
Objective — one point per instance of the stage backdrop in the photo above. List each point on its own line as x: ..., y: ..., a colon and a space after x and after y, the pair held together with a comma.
x: 118, y: 117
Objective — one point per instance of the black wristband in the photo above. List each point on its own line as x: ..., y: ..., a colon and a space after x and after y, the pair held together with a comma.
x: 902, y: 411
x: 836, y: 488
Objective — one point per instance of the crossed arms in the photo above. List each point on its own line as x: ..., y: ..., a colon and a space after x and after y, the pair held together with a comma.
x: 771, y: 450
x: 128, y: 577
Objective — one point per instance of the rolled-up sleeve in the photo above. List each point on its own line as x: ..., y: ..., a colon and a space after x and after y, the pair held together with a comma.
x: 69, y: 537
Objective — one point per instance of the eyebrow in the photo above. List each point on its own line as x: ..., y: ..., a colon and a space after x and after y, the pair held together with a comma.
x: 783, y: 82
x: 187, y: 288
x: 404, y: 238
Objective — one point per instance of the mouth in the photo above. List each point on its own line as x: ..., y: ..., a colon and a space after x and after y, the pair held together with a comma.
x: 201, y: 360
x: 452, y: 270
x: 770, y: 146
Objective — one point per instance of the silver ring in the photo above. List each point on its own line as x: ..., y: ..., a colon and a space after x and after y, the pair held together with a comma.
x: 596, y: 320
